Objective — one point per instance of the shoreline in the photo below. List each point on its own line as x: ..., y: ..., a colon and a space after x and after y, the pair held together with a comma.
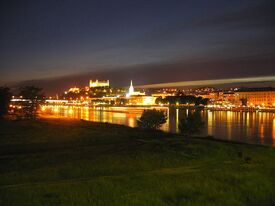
x: 179, y: 135
x: 141, y: 107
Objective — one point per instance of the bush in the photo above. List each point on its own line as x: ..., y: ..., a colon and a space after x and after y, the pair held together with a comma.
x: 5, y: 97
x: 192, y: 124
x: 35, y: 97
x: 151, y: 119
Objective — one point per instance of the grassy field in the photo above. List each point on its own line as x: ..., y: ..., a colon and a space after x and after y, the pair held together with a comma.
x: 54, y: 162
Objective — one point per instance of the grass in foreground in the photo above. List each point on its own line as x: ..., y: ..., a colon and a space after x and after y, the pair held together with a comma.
x: 54, y: 162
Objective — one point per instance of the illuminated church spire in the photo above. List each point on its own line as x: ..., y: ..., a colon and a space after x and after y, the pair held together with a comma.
x: 131, y: 88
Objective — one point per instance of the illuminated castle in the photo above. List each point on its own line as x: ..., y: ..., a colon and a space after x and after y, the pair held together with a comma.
x: 99, y: 83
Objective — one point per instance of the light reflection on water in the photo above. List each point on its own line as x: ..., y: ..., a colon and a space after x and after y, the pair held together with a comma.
x: 252, y: 127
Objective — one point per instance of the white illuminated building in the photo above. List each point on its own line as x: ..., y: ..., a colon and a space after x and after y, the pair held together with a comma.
x: 99, y: 83
x: 132, y: 91
x: 139, y: 98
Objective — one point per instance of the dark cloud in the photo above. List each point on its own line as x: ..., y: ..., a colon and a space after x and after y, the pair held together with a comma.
x: 148, y: 43
x: 165, y: 72
x: 256, y: 16
x: 261, y: 15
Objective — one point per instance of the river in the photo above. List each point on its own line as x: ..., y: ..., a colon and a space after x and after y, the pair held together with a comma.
x: 250, y: 127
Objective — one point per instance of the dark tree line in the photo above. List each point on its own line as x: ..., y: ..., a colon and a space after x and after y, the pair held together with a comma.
x: 35, y: 97
x: 187, y: 99
x: 5, y: 96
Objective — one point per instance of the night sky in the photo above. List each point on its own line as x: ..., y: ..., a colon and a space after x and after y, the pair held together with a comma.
x: 59, y: 43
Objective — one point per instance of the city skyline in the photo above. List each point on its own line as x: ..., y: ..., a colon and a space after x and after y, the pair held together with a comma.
x: 137, y: 102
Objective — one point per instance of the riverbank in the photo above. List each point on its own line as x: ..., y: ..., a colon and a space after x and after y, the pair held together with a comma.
x: 70, y: 162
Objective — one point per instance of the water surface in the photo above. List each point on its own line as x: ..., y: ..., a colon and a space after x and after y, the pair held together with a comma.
x: 251, y: 127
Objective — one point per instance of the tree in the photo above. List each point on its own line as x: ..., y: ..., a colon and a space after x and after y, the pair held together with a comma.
x: 151, y: 119
x: 192, y: 124
x: 5, y: 96
x: 204, y: 101
x: 121, y: 101
x: 35, y: 96
x: 158, y: 100
x: 244, y: 101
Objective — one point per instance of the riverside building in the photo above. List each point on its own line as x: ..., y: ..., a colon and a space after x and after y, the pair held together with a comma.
x: 264, y: 97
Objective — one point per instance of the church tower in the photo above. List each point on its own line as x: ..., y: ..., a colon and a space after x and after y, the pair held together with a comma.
x: 131, y: 88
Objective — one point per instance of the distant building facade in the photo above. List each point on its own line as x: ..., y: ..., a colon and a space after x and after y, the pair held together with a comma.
x: 141, y: 100
x: 99, y: 83
x: 74, y: 90
x: 257, y: 97
x: 264, y: 97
